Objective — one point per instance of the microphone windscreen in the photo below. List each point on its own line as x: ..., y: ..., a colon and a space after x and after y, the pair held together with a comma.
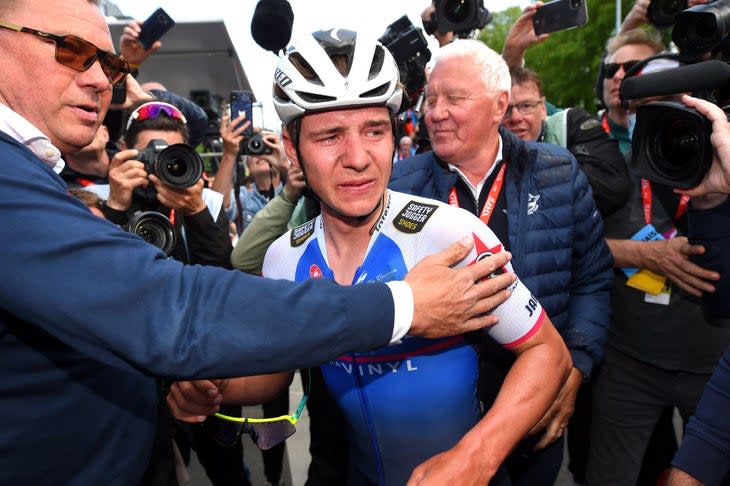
x: 693, y: 77
x: 271, y: 24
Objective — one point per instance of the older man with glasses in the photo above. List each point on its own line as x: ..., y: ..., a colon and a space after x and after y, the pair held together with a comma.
x: 573, y: 128
x: 537, y: 200
x: 90, y: 314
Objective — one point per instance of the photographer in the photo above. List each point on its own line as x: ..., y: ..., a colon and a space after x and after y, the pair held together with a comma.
x: 661, y: 347
x: 268, y: 169
x: 206, y: 239
x: 704, y: 456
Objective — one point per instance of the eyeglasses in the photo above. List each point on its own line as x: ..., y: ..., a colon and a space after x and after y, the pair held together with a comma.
x: 265, y: 432
x: 523, y: 107
x: 79, y: 54
x: 610, y: 69
x: 154, y: 109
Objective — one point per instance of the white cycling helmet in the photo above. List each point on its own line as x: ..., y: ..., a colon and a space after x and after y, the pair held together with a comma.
x: 307, y: 77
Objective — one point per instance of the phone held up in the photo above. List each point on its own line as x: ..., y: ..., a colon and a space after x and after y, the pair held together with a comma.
x: 242, y: 102
x: 155, y: 27
x: 560, y: 15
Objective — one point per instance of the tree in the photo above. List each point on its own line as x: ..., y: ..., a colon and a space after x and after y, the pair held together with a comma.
x: 568, y: 61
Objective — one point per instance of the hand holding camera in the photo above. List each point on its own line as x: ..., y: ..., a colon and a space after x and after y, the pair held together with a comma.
x: 717, y: 178
x: 125, y: 175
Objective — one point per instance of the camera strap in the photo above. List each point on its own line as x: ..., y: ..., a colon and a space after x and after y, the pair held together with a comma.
x: 646, y: 202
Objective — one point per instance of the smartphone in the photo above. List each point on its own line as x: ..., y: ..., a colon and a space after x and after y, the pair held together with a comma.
x: 119, y: 93
x: 242, y: 102
x: 560, y: 15
x: 155, y: 27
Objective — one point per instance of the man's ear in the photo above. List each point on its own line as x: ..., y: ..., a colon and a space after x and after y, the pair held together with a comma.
x: 289, y: 149
x: 502, y: 102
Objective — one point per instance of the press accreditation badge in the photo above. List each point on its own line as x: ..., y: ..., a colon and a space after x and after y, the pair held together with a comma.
x: 662, y: 298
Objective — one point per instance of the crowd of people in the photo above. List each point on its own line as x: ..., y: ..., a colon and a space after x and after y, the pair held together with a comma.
x: 468, y: 289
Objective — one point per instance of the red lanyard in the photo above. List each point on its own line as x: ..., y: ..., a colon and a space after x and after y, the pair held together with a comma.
x: 491, y: 201
x: 646, y: 202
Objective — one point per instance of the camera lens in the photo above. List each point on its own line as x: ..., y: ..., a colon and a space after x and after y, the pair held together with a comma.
x: 179, y: 166
x: 457, y: 11
x: 677, y: 146
x: 154, y: 228
x: 255, y: 145
x: 662, y: 13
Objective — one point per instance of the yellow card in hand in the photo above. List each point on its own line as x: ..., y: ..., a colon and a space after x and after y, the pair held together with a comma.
x: 647, y: 281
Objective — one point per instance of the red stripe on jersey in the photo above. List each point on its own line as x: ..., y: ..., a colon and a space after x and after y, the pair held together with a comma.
x: 531, y: 332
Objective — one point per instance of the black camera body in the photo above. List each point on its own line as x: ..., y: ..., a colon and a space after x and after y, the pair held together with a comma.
x: 409, y: 48
x: 177, y: 165
x: 460, y: 16
x: 255, y: 145
x: 701, y: 28
x: 671, y: 144
x: 153, y: 227
x: 663, y: 13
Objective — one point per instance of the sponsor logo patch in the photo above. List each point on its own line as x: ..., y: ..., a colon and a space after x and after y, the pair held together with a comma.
x: 413, y: 217
x: 300, y: 234
x: 315, y: 271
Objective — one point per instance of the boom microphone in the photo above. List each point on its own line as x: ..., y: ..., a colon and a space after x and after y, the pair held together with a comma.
x: 693, y: 77
x: 271, y: 24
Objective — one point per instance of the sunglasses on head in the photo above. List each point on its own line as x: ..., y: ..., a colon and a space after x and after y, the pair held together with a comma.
x: 155, y: 109
x: 265, y: 432
x: 610, y: 69
x: 79, y: 54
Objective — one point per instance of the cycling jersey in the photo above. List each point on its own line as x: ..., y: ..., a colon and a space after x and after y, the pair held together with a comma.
x: 406, y: 402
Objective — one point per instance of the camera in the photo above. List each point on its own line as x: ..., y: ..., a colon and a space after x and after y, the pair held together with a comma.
x: 177, y: 165
x: 702, y: 28
x: 671, y: 144
x: 409, y: 48
x: 154, y: 228
x: 255, y: 145
x: 662, y: 13
x: 459, y: 16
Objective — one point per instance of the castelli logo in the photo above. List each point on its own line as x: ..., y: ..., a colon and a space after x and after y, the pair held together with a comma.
x: 315, y: 272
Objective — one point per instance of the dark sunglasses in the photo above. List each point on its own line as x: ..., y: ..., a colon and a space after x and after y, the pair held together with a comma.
x: 79, y: 54
x: 265, y: 432
x: 610, y: 69
x: 154, y: 109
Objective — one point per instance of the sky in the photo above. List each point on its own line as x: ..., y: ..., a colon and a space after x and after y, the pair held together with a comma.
x: 371, y: 17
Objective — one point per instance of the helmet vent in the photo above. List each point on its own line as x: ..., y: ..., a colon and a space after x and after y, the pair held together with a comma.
x: 304, y: 68
x: 315, y: 98
x: 377, y: 64
x: 375, y: 92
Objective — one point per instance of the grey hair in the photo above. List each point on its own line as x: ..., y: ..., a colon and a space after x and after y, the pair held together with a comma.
x: 494, y: 71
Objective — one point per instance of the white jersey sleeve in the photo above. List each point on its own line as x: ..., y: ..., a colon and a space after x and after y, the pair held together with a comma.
x: 440, y: 226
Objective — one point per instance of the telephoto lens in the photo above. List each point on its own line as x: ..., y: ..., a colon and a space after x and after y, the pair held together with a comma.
x: 177, y: 165
x: 154, y: 228
x: 671, y: 144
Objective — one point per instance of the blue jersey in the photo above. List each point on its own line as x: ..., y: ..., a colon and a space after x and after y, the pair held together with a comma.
x: 406, y: 402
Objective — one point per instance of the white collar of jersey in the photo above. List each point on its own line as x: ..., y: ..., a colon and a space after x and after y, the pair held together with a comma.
x: 319, y: 230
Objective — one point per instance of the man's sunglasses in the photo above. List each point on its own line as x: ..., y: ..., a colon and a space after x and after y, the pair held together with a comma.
x: 265, y: 432
x: 79, y: 54
x: 152, y: 110
x: 610, y: 69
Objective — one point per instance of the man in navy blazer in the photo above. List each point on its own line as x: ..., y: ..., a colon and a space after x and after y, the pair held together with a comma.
x: 90, y: 314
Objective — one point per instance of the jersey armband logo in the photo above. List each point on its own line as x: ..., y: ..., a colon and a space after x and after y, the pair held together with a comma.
x: 300, y: 234
x: 413, y: 217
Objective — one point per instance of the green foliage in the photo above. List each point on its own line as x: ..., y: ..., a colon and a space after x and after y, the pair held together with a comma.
x: 568, y: 61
